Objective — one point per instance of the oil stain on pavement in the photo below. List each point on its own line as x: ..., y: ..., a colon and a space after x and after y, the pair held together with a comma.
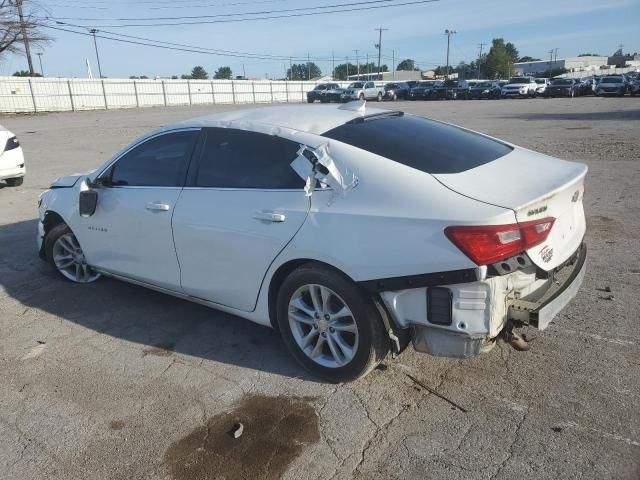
x: 275, y: 432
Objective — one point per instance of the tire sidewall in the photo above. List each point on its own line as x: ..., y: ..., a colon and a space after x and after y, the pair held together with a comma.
x: 371, y: 348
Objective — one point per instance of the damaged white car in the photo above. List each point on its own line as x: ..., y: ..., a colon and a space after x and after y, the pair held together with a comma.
x: 352, y: 231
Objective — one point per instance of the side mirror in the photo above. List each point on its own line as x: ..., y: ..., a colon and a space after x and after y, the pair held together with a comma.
x: 88, y: 202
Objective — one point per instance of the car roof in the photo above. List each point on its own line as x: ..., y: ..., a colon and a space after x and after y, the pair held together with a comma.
x: 315, y: 119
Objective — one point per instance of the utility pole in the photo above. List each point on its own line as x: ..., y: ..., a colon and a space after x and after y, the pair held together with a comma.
x: 40, y: 59
x: 555, y: 55
x: 358, y: 63
x: 308, y: 67
x: 346, y: 62
x: 379, y: 46
x: 93, y: 32
x: 448, y: 33
x: 333, y: 65
x: 480, y: 58
x: 244, y: 73
x: 290, y: 69
x: 25, y: 36
x: 393, y: 63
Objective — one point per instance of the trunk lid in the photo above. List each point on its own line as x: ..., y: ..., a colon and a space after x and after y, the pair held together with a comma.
x: 534, y: 186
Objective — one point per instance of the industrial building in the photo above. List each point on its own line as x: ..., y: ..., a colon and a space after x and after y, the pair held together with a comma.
x: 572, y: 64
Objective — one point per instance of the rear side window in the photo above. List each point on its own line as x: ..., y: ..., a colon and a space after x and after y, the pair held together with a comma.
x: 240, y: 159
x: 159, y: 162
x: 423, y: 144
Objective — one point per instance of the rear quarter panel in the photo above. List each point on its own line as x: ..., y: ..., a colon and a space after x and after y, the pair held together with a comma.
x: 391, y: 224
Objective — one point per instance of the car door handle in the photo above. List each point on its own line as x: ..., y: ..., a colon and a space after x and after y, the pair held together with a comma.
x: 269, y: 216
x: 157, y: 207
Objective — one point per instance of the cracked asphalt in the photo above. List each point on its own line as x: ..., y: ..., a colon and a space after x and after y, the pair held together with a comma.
x: 114, y: 381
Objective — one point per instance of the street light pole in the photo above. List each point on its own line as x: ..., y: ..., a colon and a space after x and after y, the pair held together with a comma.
x: 93, y: 32
x: 40, y: 60
x: 448, y: 33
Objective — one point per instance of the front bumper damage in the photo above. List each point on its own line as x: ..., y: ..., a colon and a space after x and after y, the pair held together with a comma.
x: 476, y: 311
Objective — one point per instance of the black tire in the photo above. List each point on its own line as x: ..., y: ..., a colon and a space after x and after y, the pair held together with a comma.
x: 309, y: 100
x: 373, y: 344
x: 379, y: 97
x: 361, y: 96
x: 15, y: 182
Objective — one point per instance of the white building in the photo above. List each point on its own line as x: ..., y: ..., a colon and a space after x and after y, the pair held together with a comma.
x: 398, y: 75
x: 572, y: 64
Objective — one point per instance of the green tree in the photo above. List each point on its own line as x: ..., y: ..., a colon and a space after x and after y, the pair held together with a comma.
x: 528, y: 59
x: 25, y: 73
x: 303, y: 71
x: 500, y: 59
x: 589, y: 55
x: 407, y: 64
x: 223, y: 73
x: 199, y: 73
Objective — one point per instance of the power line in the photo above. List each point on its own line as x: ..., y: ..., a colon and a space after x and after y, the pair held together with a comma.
x: 222, y: 15
x: 267, y: 17
x: 220, y: 52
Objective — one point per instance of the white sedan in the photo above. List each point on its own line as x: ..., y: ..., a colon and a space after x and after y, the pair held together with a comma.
x: 352, y: 231
x: 12, y: 168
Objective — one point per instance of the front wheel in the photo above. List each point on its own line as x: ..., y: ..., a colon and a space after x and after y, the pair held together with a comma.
x: 329, y: 325
x: 379, y: 97
x: 65, y: 254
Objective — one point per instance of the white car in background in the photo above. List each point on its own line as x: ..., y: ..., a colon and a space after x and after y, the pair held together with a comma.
x: 327, y: 224
x: 12, y: 169
x: 520, y: 87
x: 542, y: 84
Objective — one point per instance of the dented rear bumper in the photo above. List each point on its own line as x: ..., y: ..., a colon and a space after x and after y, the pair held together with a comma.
x: 540, y: 308
x: 466, y: 318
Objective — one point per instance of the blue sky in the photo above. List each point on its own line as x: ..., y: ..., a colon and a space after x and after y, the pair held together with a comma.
x: 415, y: 31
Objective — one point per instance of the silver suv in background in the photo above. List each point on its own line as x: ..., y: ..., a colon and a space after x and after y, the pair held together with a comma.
x: 363, y: 91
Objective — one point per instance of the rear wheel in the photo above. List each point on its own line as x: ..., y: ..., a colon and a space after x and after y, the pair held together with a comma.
x: 329, y: 326
x: 379, y: 97
x: 15, y: 182
x: 65, y: 254
x: 361, y: 97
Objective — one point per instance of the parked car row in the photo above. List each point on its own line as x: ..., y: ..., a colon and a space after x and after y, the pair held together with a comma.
x: 452, y: 89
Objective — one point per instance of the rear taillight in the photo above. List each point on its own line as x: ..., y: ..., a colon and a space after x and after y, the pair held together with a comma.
x: 487, y: 244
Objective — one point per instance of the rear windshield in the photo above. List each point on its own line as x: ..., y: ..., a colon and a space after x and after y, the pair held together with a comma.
x: 562, y: 81
x: 611, y: 80
x: 420, y: 143
x: 519, y: 80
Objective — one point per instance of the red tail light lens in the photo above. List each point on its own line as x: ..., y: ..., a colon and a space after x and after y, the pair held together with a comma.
x: 487, y: 244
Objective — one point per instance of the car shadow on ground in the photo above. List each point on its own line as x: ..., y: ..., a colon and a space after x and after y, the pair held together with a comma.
x: 617, y: 115
x: 157, y: 322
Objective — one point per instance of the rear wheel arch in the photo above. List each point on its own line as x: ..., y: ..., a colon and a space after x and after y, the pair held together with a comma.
x: 280, y: 275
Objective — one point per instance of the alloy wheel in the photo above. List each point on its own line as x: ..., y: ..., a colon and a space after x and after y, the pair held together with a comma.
x: 323, y: 326
x: 70, y: 260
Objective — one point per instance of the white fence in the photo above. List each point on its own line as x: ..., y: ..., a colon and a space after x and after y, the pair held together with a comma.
x: 20, y: 94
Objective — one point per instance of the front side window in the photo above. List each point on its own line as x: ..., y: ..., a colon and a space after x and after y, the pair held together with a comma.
x: 369, y: 85
x: 241, y: 159
x: 161, y: 161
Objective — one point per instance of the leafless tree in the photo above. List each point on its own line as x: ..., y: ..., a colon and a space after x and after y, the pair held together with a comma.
x: 12, y: 32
